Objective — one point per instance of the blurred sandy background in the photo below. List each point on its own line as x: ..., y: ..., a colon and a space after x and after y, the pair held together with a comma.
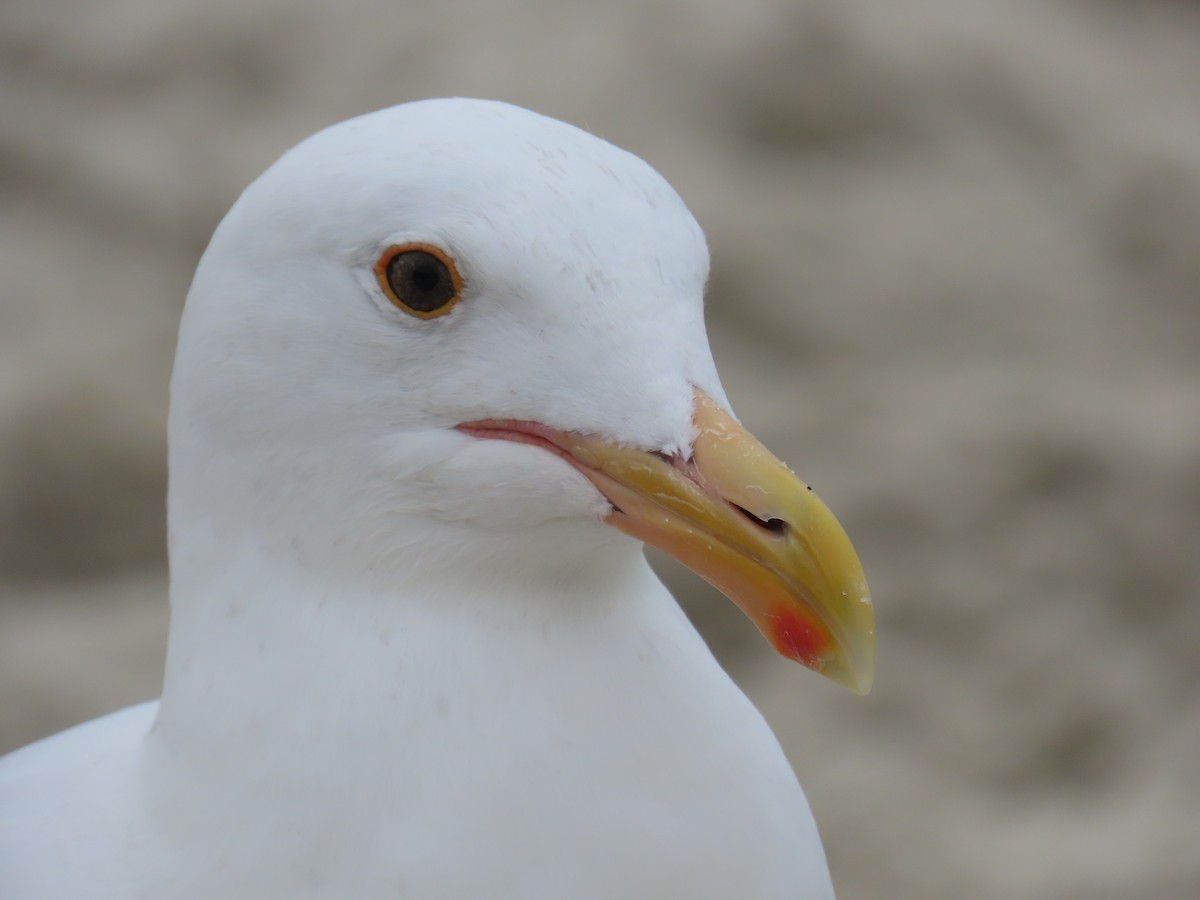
x: 956, y: 286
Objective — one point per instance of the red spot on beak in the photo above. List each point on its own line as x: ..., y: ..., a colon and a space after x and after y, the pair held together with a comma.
x: 798, y: 639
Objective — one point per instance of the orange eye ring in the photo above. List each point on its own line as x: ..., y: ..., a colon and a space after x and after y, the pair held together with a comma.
x: 420, y: 279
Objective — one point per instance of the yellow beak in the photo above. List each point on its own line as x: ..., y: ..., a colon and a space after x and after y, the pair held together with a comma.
x: 738, y: 517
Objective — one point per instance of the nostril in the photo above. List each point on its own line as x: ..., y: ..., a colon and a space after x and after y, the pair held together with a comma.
x: 777, y: 526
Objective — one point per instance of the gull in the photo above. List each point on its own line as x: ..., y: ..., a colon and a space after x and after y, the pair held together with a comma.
x: 441, y: 372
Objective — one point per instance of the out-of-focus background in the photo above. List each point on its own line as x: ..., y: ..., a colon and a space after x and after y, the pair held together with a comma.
x: 956, y: 284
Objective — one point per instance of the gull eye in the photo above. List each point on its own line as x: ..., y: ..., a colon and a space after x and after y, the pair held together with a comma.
x: 419, y: 279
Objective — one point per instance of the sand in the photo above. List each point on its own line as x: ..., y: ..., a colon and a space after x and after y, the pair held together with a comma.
x: 956, y: 286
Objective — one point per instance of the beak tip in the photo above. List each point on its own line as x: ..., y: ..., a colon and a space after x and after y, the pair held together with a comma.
x: 854, y: 664
x: 863, y: 684
x: 856, y: 674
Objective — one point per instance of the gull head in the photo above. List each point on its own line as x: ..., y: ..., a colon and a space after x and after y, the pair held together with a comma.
x: 455, y: 330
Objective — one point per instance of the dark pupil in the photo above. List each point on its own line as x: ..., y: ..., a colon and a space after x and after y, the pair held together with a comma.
x: 420, y: 280
x: 425, y: 278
